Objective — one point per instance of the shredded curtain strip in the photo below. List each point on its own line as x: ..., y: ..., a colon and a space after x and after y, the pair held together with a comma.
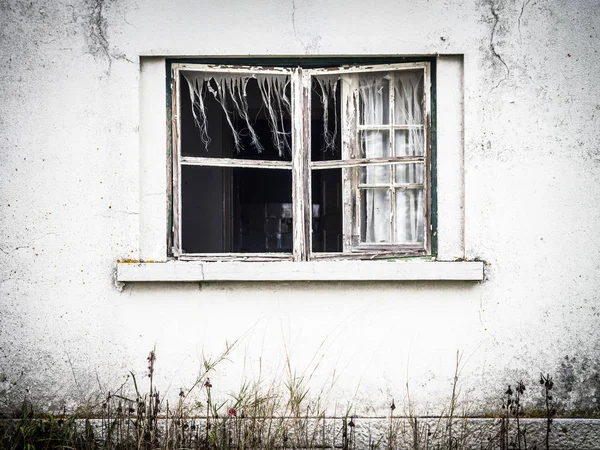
x: 229, y: 90
x: 327, y: 91
x: 408, y: 221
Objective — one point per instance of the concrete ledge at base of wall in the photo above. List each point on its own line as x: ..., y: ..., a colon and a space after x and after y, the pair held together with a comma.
x: 197, y: 271
x: 364, y: 433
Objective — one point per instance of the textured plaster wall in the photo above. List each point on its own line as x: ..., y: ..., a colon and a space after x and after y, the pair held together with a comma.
x: 70, y: 201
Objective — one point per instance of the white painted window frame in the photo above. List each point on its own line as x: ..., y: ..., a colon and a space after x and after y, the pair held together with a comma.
x: 301, y: 166
x: 179, y: 161
x: 351, y: 163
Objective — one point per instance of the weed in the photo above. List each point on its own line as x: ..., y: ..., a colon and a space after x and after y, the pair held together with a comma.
x: 267, y: 416
x: 548, y: 384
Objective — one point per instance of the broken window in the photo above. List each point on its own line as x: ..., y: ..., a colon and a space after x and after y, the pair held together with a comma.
x: 298, y: 164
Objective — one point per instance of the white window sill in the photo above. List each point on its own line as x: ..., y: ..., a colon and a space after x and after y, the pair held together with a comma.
x: 197, y: 271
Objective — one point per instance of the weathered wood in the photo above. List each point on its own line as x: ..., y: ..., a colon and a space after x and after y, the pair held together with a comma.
x: 300, y: 174
x: 405, y: 186
x: 301, y: 166
x: 406, y: 248
x: 171, y: 187
x: 371, y: 254
x: 349, y: 110
x: 392, y: 120
x: 351, y: 69
x: 231, y: 162
x: 250, y: 257
x: 357, y: 162
x: 242, y: 70
x: 427, y: 198
x: 176, y: 152
x: 306, y: 222
x: 390, y: 127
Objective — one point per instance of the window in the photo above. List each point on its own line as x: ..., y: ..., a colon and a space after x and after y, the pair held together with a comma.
x: 301, y: 163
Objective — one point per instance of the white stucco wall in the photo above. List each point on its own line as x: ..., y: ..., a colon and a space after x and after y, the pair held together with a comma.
x: 73, y: 201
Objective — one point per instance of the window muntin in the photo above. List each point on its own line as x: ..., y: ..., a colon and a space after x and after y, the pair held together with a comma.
x: 390, y: 126
x: 360, y: 186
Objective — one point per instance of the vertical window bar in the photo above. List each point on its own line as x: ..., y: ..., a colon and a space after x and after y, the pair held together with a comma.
x: 392, y: 121
x: 176, y: 129
x: 427, y: 232
x: 350, y: 150
x: 301, y: 200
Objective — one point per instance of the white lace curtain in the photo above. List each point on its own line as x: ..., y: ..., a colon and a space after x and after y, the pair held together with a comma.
x: 392, y: 213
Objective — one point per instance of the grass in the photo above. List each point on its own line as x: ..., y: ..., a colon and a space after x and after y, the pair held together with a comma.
x: 265, y: 414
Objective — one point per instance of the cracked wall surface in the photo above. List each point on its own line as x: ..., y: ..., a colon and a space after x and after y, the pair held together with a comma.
x: 70, y: 200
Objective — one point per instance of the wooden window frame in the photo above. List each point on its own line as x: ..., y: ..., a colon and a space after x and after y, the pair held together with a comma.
x: 301, y: 165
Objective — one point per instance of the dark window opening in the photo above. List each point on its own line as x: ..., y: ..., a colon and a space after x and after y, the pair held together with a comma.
x: 221, y: 137
x: 326, y: 184
x: 236, y: 210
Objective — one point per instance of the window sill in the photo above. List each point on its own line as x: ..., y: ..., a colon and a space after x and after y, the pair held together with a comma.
x: 196, y: 271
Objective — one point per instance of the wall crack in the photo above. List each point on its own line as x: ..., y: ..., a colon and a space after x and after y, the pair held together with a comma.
x: 99, y: 45
x: 309, y: 47
x: 493, y: 45
x: 523, y: 6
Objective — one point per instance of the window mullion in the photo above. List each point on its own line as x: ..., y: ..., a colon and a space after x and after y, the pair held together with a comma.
x: 301, y: 189
x: 350, y: 175
x: 176, y: 167
x: 392, y: 153
x: 428, y: 232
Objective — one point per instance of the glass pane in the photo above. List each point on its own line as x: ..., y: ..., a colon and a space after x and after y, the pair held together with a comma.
x: 375, y: 144
x: 375, y: 208
x: 375, y: 174
x: 409, y: 226
x: 327, y: 210
x: 409, y: 143
x: 251, y: 128
x: 410, y: 173
x: 236, y: 210
x: 408, y: 97
x: 202, y: 215
x: 374, y: 92
x: 262, y: 210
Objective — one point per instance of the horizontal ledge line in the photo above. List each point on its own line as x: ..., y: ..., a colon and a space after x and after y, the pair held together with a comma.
x: 390, y: 127
x: 319, y: 165
x: 357, y: 68
x: 365, y: 255
x: 242, y: 70
x: 383, y: 248
x: 350, y: 270
x: 404, y: 186
x: 228, y: 162
x: 240, y: 257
